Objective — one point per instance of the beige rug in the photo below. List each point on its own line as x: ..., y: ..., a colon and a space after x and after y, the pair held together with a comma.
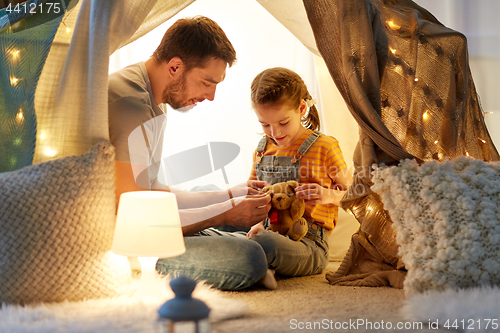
x: 119, y: 315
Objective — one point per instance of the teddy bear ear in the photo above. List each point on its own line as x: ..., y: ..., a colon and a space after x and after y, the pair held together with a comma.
x: 292, y: 183
x: 266, y: 189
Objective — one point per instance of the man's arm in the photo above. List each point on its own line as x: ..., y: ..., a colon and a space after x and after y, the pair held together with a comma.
x: 240, y: 211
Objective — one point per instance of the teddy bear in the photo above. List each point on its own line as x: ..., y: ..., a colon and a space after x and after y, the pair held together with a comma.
x: 287, y: 210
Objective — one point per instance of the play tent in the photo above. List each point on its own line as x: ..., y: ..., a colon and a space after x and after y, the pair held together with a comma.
x: 404, y: 78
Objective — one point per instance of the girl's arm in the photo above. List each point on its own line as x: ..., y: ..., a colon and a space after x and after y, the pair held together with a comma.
x: 316, y: 194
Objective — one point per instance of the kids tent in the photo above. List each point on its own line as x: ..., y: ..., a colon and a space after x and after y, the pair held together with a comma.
x: 404, y: 77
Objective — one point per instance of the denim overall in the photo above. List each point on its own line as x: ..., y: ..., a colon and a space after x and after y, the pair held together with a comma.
x: 274, y: 169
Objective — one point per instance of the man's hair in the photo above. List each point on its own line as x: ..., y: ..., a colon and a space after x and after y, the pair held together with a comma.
x: 195, y: 40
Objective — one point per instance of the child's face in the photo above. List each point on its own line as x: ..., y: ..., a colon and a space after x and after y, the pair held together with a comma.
x: 281, y: 122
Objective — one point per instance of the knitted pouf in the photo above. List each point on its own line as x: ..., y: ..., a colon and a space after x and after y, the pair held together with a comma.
x: 447, y: 218
x: 57, y: 220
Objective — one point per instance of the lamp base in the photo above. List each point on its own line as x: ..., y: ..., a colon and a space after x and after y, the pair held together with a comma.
x: 149, y: 290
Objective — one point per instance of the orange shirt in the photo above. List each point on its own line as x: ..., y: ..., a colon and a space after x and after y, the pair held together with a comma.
x: 320, y: 165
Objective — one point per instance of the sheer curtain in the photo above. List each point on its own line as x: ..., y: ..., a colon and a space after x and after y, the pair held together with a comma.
x: 478, y: 21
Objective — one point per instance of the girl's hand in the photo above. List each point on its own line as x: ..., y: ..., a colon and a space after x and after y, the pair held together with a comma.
x: 255, y: 229
x: 313, y: 194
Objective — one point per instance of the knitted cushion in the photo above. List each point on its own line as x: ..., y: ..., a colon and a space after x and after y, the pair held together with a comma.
x: 447, y: 218
x: 57, y: 221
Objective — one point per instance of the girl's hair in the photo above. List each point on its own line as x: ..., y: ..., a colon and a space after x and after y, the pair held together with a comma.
x: 280, y: 85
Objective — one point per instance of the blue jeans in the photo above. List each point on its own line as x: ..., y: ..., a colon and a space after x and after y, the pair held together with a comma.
x: 226, y: 260
x: 308, y: 256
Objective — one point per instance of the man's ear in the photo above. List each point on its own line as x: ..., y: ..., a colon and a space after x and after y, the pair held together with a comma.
x: 175, y: 66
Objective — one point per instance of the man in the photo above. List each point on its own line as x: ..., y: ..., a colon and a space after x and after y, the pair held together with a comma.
x: 184, y: 70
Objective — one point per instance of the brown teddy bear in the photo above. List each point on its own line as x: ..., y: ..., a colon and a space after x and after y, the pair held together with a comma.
x: 287, y: 210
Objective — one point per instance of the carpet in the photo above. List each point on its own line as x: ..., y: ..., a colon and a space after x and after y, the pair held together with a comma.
x: 118, y: 315
x: 465, y: 310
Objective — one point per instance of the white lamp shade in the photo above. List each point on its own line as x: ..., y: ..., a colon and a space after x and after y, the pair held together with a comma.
x: 148, y: 225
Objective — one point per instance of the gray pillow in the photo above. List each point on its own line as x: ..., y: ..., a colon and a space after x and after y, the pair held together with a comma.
x: 57, y: 221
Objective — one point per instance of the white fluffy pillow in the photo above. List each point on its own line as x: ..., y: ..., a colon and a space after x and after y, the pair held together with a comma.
x: 57, y: 220
x: 447, y: 218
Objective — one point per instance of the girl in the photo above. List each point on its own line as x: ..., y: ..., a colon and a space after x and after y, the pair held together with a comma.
x: 293, y: 149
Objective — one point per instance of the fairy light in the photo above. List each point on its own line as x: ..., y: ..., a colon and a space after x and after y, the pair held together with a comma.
x: 467, y: 153
x: 20, y: 116
x: 15, y: 54
x: 393, y: 25
x: 436, y: 142
x: 426, y: 115
x: 482, y: 140
x: 416, y: 79
x: 392, y: 50
x: 50, y: 152
x: 13, y: 80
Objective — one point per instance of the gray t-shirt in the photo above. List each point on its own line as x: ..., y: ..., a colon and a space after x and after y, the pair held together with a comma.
x: 136, y: 122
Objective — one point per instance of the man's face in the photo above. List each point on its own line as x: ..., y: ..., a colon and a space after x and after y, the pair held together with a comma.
x: 195, y: 86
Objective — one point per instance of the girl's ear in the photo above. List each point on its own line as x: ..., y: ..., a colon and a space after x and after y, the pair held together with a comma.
x: 302, y: 108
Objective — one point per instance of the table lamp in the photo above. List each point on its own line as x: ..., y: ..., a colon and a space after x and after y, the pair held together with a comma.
x: 148, y: 227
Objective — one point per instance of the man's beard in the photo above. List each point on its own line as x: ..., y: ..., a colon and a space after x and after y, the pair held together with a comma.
x: 175, y: 95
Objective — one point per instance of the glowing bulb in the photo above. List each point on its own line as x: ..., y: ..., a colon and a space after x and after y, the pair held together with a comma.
x: 370, y: 209
x: 482, y: 141
x: 68, y: 30
x: 416, y: 79
x: 50, y: 152
x: 15, y: 54
x: 20, y: 115
x: 393, y: 25
x: 13, y: 80
x: 466, y: 153
x: 426, y: 115
x: 436, y: 142
x: 392, y: 50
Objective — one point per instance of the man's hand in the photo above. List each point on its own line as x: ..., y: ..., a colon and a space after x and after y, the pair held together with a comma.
x: 251, y: 187
x: 248, y: 210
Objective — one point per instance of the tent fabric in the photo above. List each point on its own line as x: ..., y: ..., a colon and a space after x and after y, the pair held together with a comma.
x: 71, y: 96
x: 406, y: 80
x: 20, y: 31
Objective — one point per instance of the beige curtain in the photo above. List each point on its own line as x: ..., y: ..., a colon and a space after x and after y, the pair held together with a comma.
x: 71, y: 95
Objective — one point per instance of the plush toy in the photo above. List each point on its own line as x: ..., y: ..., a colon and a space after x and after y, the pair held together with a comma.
x: 287, y: 210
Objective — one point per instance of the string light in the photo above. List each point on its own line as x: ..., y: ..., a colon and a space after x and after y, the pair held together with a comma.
x: 436, y: 142
x: 426, y: 115
x: 416, y: 79
x: 50, y: 152
x: 393, y: 25
x: 15, y: 54
x: 13, y: 80
x: 20, y: 116
x: 488, y: 112
x: 482, y: 140
x: 392, y: 50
